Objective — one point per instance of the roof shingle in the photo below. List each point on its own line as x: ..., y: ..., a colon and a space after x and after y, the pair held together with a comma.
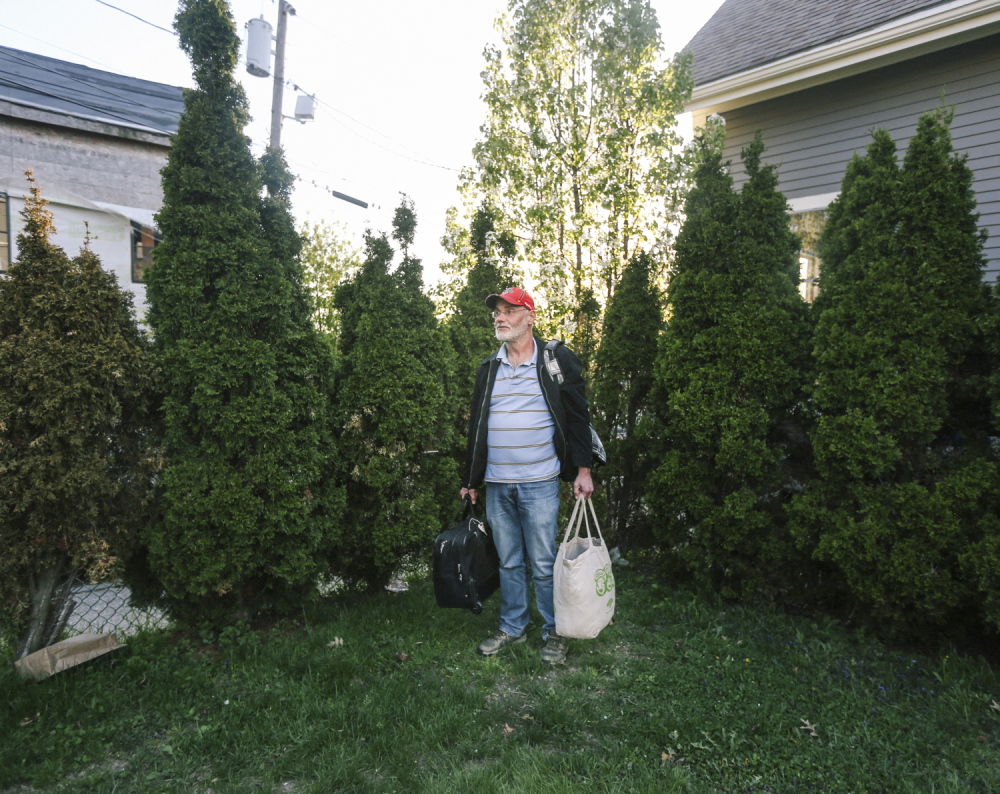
x: 75, y: 90
x: 744, y: 34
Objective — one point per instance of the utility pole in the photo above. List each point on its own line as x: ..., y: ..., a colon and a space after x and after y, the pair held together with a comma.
x: 284, y: 10
x: 259, y: 65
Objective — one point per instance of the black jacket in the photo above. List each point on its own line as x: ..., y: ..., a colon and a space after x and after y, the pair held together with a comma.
x: 567, y: 404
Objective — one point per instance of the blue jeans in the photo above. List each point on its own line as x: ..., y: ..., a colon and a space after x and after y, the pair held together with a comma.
x: 525, y: 518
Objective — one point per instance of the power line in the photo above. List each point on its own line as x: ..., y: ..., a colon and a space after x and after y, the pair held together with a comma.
x: 417, y: 159
x: 313, y: 26
x: 335, y: 193
x: 129, y: 13
x: 386, y: 148
x: 57, y: 47
x: 377, y: 132
x: 420, y: 159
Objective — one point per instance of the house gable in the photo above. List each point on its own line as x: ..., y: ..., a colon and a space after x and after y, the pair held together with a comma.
x: 749, y: 74
x: 817, y: 107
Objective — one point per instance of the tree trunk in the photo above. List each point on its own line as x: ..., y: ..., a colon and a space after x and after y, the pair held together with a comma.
x: 50, y: 606
x: 62, y: 607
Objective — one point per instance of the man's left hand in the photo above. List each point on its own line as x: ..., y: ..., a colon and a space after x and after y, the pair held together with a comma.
x: 584, y: 485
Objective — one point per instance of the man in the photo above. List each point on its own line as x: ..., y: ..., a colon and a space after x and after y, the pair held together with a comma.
x: 526, y: 432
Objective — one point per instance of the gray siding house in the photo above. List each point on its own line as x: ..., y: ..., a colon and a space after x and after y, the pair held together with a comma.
x: 96, y: 142
x: 817, y: 76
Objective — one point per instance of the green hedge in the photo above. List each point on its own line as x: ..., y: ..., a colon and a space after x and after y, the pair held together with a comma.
x: 728, y: 382
x: 903, y: 464
x: 245, y: 503
x: 393, y: 408
x: 848, y: 448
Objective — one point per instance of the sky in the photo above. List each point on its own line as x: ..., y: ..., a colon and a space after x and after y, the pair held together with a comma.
x: 397, y: 86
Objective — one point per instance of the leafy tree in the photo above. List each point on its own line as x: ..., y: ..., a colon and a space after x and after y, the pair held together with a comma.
x: 902, y: 415
x: 245, y: 505
x: 455, y: 268
x: 578, y: 149
x: 328, y: 257
x: 396, y: 372
x: 621, y: 391
x: 728, y: 381
x: 76, y: 402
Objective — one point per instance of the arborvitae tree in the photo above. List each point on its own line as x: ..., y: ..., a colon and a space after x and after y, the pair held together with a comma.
x: 710, y: 213
x: 305, y: 365
x: 940, y: 236
x: 981, y: 557
x: 244, y: 502
x: 396, y: 372
x: 469, y: 326
x: 902, y: 416
x: 621, y: 389
x: 585, y: 335
x: 729, y: 377
x: 76, y: 400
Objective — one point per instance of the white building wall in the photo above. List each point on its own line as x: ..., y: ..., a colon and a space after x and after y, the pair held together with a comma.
x: 79, y: 165
x: 110, y: 238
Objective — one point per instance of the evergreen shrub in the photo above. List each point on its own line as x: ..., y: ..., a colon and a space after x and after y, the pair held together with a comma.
x: 469, y: 326
x: 621, y: 397
x: 77, y: 396
x: 247, y: 509
x: 900, y: 443
x: 729, y: 378
x: 396, y: 372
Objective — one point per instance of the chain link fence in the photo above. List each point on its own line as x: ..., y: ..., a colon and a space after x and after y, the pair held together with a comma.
x: 105, y: 608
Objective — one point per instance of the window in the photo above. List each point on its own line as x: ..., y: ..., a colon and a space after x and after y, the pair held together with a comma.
x: 809, y: 275
x: 808, y: 226
x: 144, y: 240
x: 4, y: 233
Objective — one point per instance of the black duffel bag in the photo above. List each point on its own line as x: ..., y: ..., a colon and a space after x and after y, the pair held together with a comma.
x: 466, y: 564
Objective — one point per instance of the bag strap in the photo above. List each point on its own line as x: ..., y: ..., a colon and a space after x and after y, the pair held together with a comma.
x: 578, y: 519
x: 586, y: 520
x: 464, y: 508
x: 550, y: 360
x: 572, y: 522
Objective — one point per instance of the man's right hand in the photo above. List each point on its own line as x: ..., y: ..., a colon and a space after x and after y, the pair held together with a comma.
x: 471, y: 492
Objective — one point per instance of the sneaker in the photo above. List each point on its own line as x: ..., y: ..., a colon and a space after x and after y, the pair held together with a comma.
x: 555, y: 649
x: 498, y: 642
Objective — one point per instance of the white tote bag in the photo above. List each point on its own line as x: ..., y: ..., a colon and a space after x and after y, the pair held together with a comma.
x: 583, y: 584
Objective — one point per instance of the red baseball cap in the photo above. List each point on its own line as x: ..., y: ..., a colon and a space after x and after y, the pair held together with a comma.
x: 515, y: 296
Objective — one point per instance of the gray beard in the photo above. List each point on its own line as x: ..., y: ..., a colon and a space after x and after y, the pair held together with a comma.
x: 511, y: 335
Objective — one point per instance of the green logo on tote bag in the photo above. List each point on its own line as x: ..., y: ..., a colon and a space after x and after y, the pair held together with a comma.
x: 604, y: 580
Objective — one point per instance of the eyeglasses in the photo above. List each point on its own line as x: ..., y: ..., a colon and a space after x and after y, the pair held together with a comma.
x: 505, y: 312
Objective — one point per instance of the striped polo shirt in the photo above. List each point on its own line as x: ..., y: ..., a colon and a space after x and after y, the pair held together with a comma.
x: 520, y: 444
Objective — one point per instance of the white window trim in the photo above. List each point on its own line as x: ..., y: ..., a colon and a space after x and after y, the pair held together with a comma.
x: 811, y: 203
x: 9, y: 243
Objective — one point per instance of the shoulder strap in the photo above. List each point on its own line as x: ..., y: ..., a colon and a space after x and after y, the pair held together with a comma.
x: 551, y: 362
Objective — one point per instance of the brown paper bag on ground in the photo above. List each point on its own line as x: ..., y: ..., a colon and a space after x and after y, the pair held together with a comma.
x: 63, y: 655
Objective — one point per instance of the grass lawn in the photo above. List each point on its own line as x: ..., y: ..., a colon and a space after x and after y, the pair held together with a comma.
x: 386, y: 694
